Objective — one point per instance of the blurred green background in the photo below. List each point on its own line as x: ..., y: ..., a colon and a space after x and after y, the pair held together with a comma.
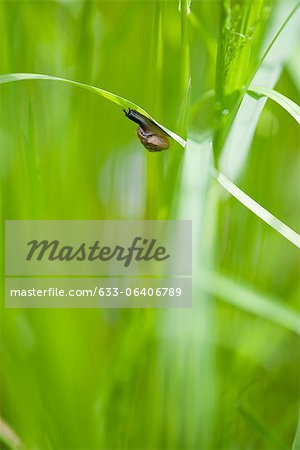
x: 224, y: 374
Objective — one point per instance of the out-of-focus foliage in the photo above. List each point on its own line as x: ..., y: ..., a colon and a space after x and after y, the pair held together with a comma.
x: 225, y: 373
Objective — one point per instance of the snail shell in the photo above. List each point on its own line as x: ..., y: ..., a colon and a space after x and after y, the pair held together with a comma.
x: 151, y: 135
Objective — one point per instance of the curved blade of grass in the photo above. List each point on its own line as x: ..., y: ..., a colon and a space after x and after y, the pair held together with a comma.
x: 123, y: 102
x: 291, y: 107
x: 247, y: 201
x: 251, y: 204
x: 256, y: 208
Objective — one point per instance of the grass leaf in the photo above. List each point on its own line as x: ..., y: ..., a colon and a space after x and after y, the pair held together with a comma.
x: 266, y: 73
x: 252, y: 205
x: 291, y: 107
x: 256, y: 208
x: 123, y: 102
x: 275, y: 38
x: 8, y: 436
x: 247, y: 201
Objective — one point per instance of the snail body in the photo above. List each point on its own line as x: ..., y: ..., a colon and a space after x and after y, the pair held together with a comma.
x: 151, y: 135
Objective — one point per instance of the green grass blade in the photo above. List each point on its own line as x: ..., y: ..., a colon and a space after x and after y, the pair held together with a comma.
x: 256, y: 208
x: 247, y: 201
x: 291, y: 107
x: 296, y: 443
x: 154, y: 166
x: 253, y: 206
x: 240, y: 108
x: 241, y: 21
x: 240, y: 135
x: 123, y: 102
x: 8, y: 436
x: 267, y: 51
x: 185, y: 54
x: 249, y: 300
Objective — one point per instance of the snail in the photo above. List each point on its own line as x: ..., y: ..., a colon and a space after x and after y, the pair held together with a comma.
x: 151, y: 135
